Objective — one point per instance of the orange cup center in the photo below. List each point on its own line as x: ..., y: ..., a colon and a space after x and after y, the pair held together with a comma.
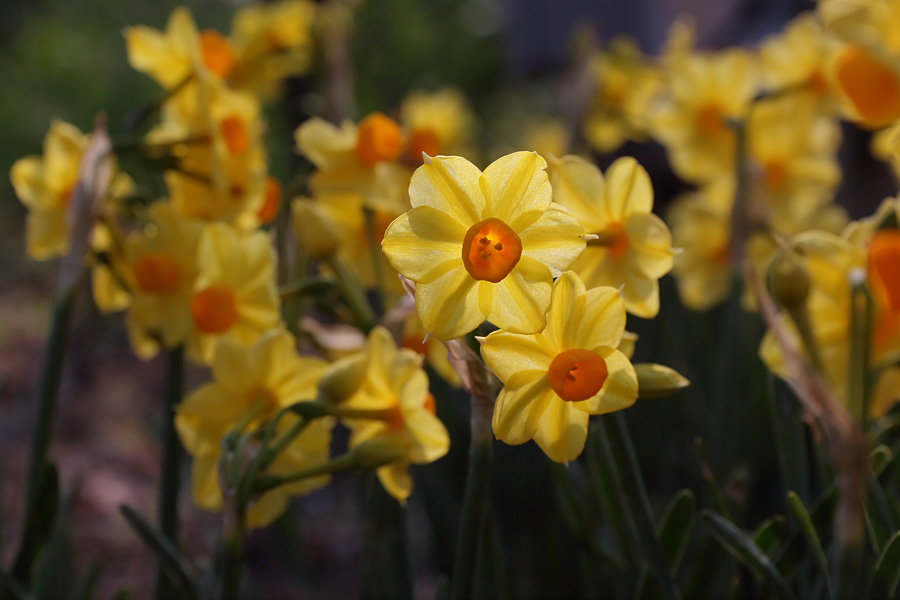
x: 217, y: 53
x: 577, y: 374
x: 491, y: 250
x: 157, y: 273
x: 422, y: 139
x: 871, y: 86
x: 235, y: 134
x: 269, y: 210
x: 710, y: 120
x: 214, y: 309
x: 378, y: 139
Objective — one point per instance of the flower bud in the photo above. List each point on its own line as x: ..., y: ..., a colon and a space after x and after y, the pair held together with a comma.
x: 788, y: 281
x: 379, y: 451
x: 656, y: 381
x: 315, y: 233
x: 343, y: 377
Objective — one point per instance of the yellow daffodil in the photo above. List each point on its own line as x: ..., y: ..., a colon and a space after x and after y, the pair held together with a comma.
x: 234, y: 295
x: 796, y: 59
x: 702, y: 229
x: 868, y: 83
x: 635, y: 246
x: 170, y: 57
x: 252, y: 384
x: 625, y: 83
x: 395, y: 384
x: 482, y: 245
x: 272, y: 41
x: 162, y: 266
x: 864, y: 21
x: 706, y: 91
x: 554, y: 380
x: 359, y: 159
x: 439, y: 122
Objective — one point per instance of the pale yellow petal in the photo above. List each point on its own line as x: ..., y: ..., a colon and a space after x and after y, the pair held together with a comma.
x: 554, y: 239
x: 517, y: 412
x: 628, y: 189
x: 578, y: 185
x: 514, y: 186
x: 450, y: 185
x: 231, y: 366
x: 604, y: 319
x: 567, y: 305
x: 641, y: 295
x: 650, y: 244
x: 448, y: 306
x: 521, y: 299
x: 396, y: 480
x: 265, y: 509
x: 509, y: 353
x: 423, y: 244
x: 205, y: 484
x: 562, y: 431
x: 27, y: 177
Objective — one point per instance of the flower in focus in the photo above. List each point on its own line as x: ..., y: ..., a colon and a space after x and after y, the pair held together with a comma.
x: 234, y: 294
x: 554, y: 380
x: 395, y: 385
x: 252, y: 384
x: 482, y: 245
x: 361, y: 159
x: 635, y: 246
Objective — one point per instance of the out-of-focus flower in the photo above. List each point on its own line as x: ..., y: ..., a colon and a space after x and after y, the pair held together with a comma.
x: 482, y: 245
x: 439, y: 122
x: 868, y: 83
x: 234, y: 295
x: 272, y: 41
x: 162, y: 266
x: 635, y: 246
x: 359, y: 159
x: 554, y: 380
x: 706, y: 91
x: 395, y: 385
x: 253, y: 383
x: 625, y: 83
x: 415, y: 338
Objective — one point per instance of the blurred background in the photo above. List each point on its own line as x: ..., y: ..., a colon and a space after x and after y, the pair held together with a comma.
x: 66, y: 59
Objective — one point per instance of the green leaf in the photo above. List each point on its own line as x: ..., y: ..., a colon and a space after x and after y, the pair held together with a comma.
x: 40, y: 520
x: 739, y: 545
x: 879, y: 458
x: 712, y: 486
x: 798, y: 510
x: 673, y: 531
x: 768, y: 533
x: 176, y: 566
x: 887, y: 570
x: 789, y: 433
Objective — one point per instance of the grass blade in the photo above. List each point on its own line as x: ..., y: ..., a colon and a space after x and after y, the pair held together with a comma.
x: 798, y: 510
x: 175, y: 564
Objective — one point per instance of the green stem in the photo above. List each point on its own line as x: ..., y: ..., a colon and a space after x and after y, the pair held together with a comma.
x: 171, y: 457
x: 636, y: 492
x: 375, y: 254
x: 354, y: 297
x: 233, y: 553
x: 858, y: 379
x: 475, y: 500
x: 338, y: 464
x: 800, y: 317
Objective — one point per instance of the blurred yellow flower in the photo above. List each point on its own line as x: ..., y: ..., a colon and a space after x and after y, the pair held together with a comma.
x: 482, y: 245
x: 253, y: 383
x: 161, y: 266
x: 395, y: 385
x: 234, y: 295
x: 635, y: 246
x: 439, y: 122
x: 359, y: 159
x: 705, y: 92
x: 554, y: 380
x: 868, y: 83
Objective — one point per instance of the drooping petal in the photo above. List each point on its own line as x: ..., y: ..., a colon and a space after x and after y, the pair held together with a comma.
x: 562, y: 431
x: 396, y: 480
x: 423, y: 243
x: 450, y: 185
x: 515, y: 185
x: 448, y: 306
x: 521, y: 299
x: 517, y: 412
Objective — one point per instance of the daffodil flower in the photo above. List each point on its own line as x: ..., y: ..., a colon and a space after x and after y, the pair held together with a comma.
x: 554, y: 380
x: 482, y: 245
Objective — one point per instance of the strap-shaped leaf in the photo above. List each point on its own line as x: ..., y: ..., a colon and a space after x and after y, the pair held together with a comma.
x: 176, y: 565
x: 804, y: 522
x: 674, y: 530
x: 887, y: 570
x: 879, y: 458
x: 739, y: 545
x: 768, y: 533
x: 40, y: 520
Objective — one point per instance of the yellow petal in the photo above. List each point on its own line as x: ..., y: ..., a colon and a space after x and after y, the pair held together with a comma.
x: 27, y: 177
x: 396, y: 480
x: 650, y: 245
x: 450, y: 185
x: 423, y: 244
x: 562, y: 430
x: 448, y: 306
x: 628, y: 189
x: 514, y: 186
x: 517, y: 412
x: 641, y: 295
x: 231, y: 366
x: 205, y: 483
x: 266, y: 508
x: 554, y: 239
x: 566, y: 312
x: 579, y: 186
x: 521, y: 299
x: 604, y: 319
x: 509, y: 353
x: 431, y: 436
x: 620, y: 390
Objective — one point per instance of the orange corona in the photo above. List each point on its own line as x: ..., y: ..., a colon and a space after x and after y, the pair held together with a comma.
x: 216, y: 52
x: 157, y: 273
x: 421, y: 140
x: 577, y: 374
x: 214, y: 309
x: 379, y: 139
x: 871, y: 86
x: 491, y: 250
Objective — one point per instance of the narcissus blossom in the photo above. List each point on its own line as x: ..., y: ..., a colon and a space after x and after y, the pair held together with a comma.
x: 554, y: 380
x: 253, y: 384
x: 635, y: 246
x: 482, y: 245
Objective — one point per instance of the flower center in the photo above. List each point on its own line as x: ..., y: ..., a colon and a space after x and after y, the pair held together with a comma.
x: 415, y: 343
x: 422, y: 139
x: 378, y: 139
x: 618, y: 243
x: 872, y: 86
x: 157, y: 273
x: 235, y: 134
x: 817, y: 82
x: 429, y: 403
x: 216, y: 52
x: 490, y: 250
x: 776, y: 174
x: 577, y: 374
x: 214, y: 309
x: 710, y: 120
x: 269, y: 210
